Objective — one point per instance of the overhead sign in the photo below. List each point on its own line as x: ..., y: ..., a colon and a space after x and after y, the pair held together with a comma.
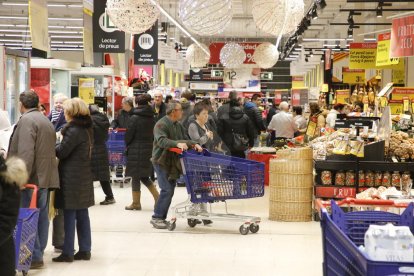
x: 362, y: 55
x: 383, y: 51
x: 328, y: 59
x: 398, y: 76
x: 242, y: 80
x: 298, y: 81
x: 146, y: 46
x: 300, y: 96
x: 38, y: 15
x: 210, y: 86
x: 87, y: 36
x: 402, y: 37
x: 166, y: 52
x: 106, y: 37
x: 196, y: 74
x: 249, y: 48
x: 281, y: 95
x: 399, y: 93
x: 342, y: 96
x: 268, y: 76
x: 217, y: 73
x: 353, y: 76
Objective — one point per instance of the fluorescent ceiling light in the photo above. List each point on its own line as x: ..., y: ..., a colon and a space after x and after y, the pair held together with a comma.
x: 14, y: 35
x: 67, y: 46
x: 66, y: 49
x: 64, y: 19
x: 370, y: 39
x: 67, y: 42
x: 14, y: 4
x: 65, y: 32
x: 13, y: 17
x: 14, y: 40
x: 330, y: 45
x: 52, y: 5
x: 327, y: 39
x: 65, y: 36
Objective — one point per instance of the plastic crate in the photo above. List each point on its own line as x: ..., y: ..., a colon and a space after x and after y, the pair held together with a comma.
x: 343, y: 232
x: 213, y: 177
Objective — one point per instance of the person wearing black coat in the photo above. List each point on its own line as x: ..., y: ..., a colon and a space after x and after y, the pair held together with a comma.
x: 252, y: 110
x: 121, y: 121
x: 159, y: 107
x: 13, y: 175
x: 236, y: 122
x: 76, y: 192
x: 138, y: 139
x: 100, y: 161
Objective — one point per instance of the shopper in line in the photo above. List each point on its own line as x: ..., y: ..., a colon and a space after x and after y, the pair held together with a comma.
x: 57, y: 116
x: 236, y: 130
x: 168, y: 133
x: 76, y: 194
x: 13, y: 175
x: 299, y: 120
x: 42, y: 109
x: 333, y: 114
x: 273, y: 110
x: 139, y: 138
x: 200, y: 130
x: 283, y: 124
x: 224, y: 110
x: 159, y: 107
x: 168, y: 98
x: 121, y: 121
x: 187, y: 108
x: 33, y: 140
x: 100, y: 161
x: 253, y: 112
x: 317, y: 117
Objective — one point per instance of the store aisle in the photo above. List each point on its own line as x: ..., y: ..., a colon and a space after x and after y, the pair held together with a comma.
x: 124, y: 243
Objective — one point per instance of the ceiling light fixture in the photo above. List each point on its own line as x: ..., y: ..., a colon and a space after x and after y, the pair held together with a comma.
x: 350, y: 32
x: 379, y: 9
x: 322, y: 4
x: 314, y: 13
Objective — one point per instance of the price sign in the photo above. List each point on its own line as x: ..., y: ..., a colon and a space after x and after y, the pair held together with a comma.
x: 396, y: 107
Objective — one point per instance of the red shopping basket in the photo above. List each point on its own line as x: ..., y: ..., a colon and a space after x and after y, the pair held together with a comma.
x: 25, y: 233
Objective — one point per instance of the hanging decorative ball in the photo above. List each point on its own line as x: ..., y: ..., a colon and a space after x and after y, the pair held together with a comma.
x: 232, y: 55
x: 132, y: 16
x: 269, y: 15
x: 206, y: 18
x: 266, y: 55
x: 196, y: 56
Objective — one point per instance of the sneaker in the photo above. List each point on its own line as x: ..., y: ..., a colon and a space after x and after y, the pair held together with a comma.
x: 37, y: 264
x: 108, y: 201
x: 82, y: 255
x: 159, y: 223
x: 62, y: 258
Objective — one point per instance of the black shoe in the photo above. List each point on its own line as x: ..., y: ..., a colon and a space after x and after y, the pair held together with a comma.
x: 82, y: 255
x: 180, y: 184
x: 108, y: 201
x: 207, y: 221
x: 36, y: 264
x: 63, y: 259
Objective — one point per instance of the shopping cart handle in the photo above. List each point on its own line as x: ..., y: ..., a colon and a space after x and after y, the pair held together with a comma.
x: 176, y: 150
x: 374, y: 202
x: 33, y: 201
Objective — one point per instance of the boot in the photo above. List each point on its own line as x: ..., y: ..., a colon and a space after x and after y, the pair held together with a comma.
x: 153, y: 190
x: 136, y: 201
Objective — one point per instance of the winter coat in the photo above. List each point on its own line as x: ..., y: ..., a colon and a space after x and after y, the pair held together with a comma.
x: 121, y: 121
x: 13, y: 175
x: 74, y: 153
x: 139, y: 138
x: 161, y: 112
x: 255, y: 116
x: 100, y: 162
x: 223, y: 111
x: 236, y: 122
x: 272, y: 112
x: 187, y: 112
x: 60, y: 122
x: 33, y: 140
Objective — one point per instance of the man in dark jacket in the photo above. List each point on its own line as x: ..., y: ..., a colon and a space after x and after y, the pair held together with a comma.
x: 159, y: 106
x: 251, y: 109
x: 168, y: 133
x: 121, y: 121
x: 225, y: 108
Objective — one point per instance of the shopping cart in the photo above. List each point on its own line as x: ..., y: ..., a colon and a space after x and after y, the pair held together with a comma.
x: 25, y: 233
x: 343, y: 232
x: 117, y: 158
x: 212, y: 178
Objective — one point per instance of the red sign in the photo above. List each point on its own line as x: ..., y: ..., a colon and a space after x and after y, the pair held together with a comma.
x: 249, y: 48
x: 298, y: 78
x: 335, y: 192
x: 328, y: 60
x: 384, y: 37
x: 295, y: 97
x: 40, y: 83
x: 402, y: 37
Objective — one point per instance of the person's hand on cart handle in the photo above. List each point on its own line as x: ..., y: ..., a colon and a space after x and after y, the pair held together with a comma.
x: 182, y: 146
x: 198, y: 148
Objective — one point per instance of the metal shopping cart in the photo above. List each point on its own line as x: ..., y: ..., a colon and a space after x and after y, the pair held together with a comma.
x: 211, y: 178
x: 343, y: 232
x: 25, y: 233
x: 117, y: 157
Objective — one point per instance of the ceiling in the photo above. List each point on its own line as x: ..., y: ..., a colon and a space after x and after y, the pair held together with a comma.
x: 65, y: 23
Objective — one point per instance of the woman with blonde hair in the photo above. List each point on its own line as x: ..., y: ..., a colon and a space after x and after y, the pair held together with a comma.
x: 76, y: 192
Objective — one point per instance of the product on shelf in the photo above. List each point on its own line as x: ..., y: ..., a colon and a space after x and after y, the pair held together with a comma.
x: 386, y: 179
x: 361, y: 178
x: 326, y: 177
x: 378, y: 179
x: 396, y: 179
x: 369, y: 179
x: 340, y: 178
x: 406, y: 183
x: 350, y: 178
x: 401, y: 145
x: 378, y: 193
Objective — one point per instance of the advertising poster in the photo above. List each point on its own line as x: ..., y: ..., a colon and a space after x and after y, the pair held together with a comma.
x: 281, y: 95
x: 242, y: 80
x: 402, y: 37
x: 38, y: 21
x: 249, y: 48
x: 362, y: 55
x: 384, y: 51
x: 342, y: 96
x: 106, y: 37
x: 87, y: 90
x: 353, y: 76
x: 340, y: 60
x: 328, y: 59
x: 40, y: 82
x: 146, y: 47
x: 298, y: 81
x: 295, y: 100
x: 399, y: 93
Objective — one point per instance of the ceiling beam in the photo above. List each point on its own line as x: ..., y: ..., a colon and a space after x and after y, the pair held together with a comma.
x: 373, y: 10
x: 361, y: 24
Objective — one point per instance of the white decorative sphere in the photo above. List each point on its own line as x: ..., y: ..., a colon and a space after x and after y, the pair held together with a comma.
x: 269, y: 15
x: 196, y: 56
x: 266, y: 55
x: 132, y: 16
x: 206, y: 18
x: 232, y: 55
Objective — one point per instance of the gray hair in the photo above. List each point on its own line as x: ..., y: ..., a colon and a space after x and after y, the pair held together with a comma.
x: 171, y: 106
x: 284, y: 105
x: 129, y: 101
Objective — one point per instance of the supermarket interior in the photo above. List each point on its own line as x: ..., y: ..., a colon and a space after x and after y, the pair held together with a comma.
x: 220, y: 137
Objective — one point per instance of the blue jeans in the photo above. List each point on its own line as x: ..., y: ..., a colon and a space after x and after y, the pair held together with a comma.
x: 166, y: 194
x: 43, y: 225
x: 78, y: 219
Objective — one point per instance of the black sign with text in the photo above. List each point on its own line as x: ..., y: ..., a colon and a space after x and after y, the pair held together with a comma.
x: 196, y: 74
x: 146, y: 47
x: 106, y: 37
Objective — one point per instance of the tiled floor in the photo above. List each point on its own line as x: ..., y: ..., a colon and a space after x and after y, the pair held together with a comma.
x: 124, y: 243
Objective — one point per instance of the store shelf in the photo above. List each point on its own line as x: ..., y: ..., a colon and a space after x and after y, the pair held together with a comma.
x: 335, y: 165
x: 386, y: 166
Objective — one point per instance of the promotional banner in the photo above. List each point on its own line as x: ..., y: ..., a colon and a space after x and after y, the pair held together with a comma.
x: 402, y: 37
x: 106, y: 37
x: 328, y: 60
x: 39, y: 28
x: 399, y: 93
x: 249, y: 48
x: 362, y: 55
x: 87, y: 36
x: 353, y: 76
x: 281, y: 95
x: 242, y: 80
x: 146, y: 46
x: 300, y: 96
x: 342, y: 96
x: 87, y: 90
x: 383, y: 51
x: 298, y: 81
x: 398, y: 76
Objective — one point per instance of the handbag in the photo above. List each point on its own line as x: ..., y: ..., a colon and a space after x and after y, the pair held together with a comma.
x: 240, y: 142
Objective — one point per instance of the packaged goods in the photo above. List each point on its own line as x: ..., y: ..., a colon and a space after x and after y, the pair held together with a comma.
x: 386, y: 179
x: 326, y: 177
x: 395, y: 179
x: 340, y: 178
x: 406, y: 184
x: 361, y: 179
x: 369, y: 179
x: 378, y: 179
x: 350, y: 178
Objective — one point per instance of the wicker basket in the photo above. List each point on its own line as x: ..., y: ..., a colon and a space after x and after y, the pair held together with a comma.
x: 296, y: 153
x: 299, y: 195
x: 293, y: 166
x: 291, y: 180
x: 290, y: 211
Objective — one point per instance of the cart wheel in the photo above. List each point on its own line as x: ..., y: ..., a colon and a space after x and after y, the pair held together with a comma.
x: 192, y: 222
x: 254, y: 228
x: 244, y: 230
x: 24, y: 273
x: 171, y: 226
